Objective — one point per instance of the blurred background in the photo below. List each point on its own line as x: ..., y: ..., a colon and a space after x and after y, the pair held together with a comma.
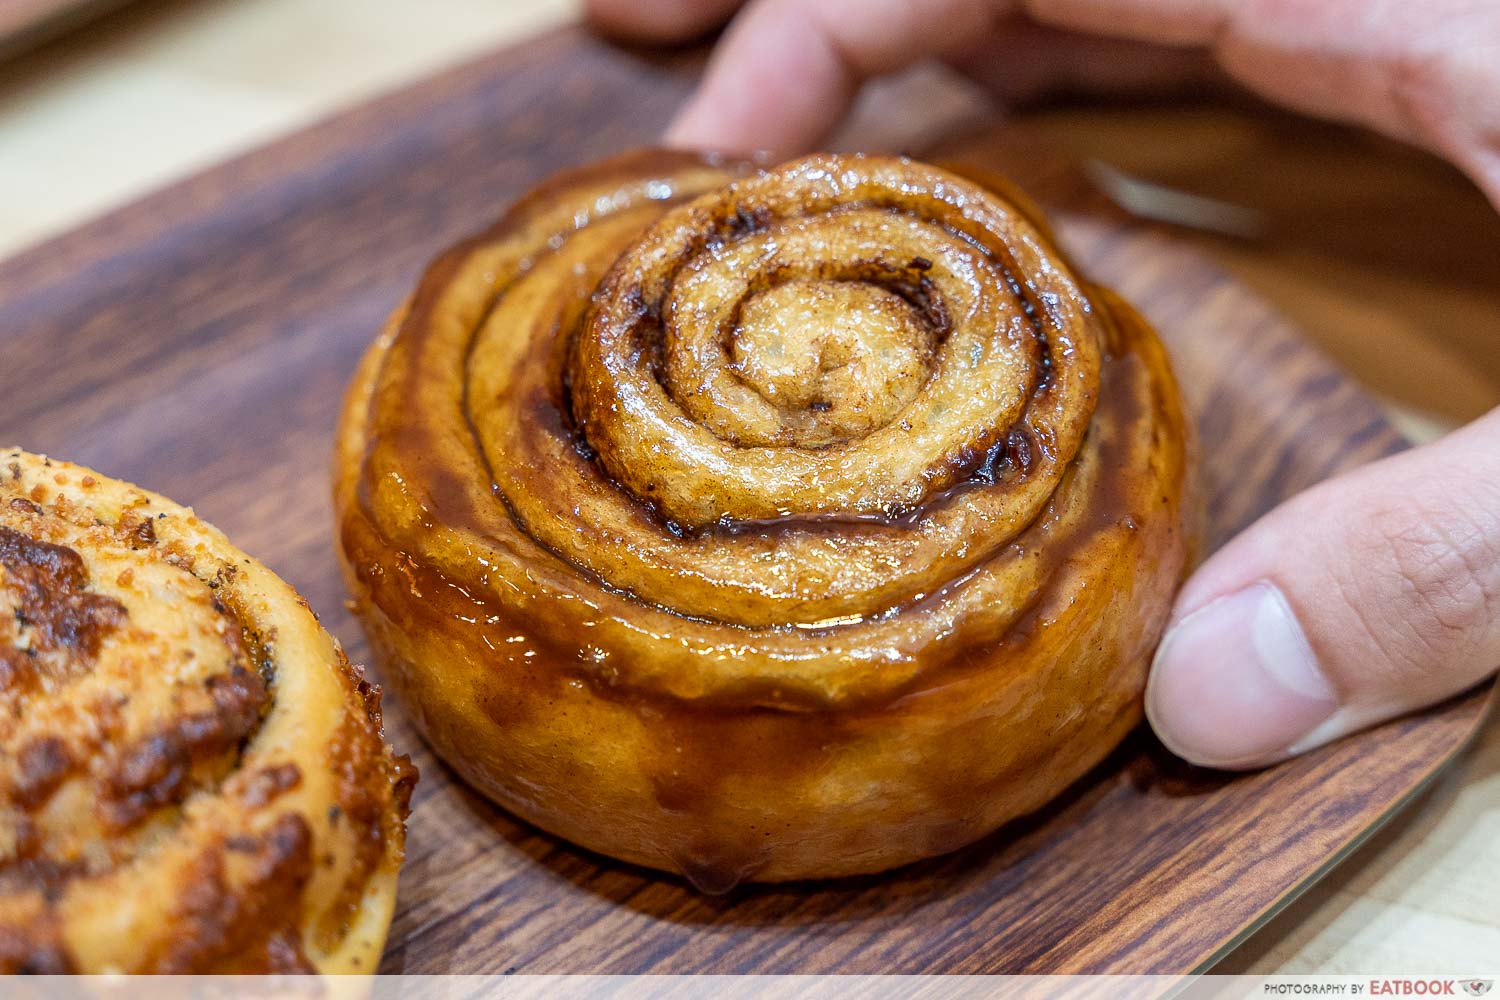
x: 1387, y: 257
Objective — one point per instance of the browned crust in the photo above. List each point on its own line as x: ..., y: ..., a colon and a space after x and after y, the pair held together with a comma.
x: 153, y: 754
x: 52, y: 602
x: 822, y: 693
x: 250, y: 927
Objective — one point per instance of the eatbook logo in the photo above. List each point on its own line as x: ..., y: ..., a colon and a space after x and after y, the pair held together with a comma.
x: 1477, y: 987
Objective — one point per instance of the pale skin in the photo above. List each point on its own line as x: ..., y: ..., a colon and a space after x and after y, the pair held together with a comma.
x: 1369, y: 596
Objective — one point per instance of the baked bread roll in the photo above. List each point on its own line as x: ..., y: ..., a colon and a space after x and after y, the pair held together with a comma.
x: 193, y: 778
x: 765, y: 523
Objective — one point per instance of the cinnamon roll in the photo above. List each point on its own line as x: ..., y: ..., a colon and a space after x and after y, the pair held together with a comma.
x: 765, y: 523
x: 193, y: 778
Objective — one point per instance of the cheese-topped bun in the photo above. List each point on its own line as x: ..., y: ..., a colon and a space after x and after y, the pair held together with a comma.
x: 193, y: 778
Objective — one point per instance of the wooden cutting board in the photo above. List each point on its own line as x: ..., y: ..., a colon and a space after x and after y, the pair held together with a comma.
x: 197, y: 342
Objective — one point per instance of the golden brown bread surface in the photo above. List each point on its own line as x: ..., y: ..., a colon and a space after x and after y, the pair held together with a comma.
x: 192, y: 776
x: 765, y: 523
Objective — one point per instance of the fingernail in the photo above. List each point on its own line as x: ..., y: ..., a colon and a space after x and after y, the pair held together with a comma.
x: 1236, y: 684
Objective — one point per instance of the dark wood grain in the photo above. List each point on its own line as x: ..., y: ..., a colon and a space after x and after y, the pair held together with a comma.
x: 198, y: 342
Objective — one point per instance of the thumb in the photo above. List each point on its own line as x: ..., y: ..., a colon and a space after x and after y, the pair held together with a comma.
x: 1365, y: 597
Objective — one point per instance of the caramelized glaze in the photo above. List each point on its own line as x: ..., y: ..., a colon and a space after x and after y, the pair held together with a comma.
x: 192, y: 777
x: 765, y: 523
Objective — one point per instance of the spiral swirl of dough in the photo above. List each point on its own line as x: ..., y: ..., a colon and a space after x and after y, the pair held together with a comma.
x: 730, y: 448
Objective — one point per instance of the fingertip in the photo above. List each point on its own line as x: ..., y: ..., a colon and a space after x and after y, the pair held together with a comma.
x: 688, y: 131
x: 1235, y: 685
x: 773, y: 85
x: 1366, y: 597
x: 691, y: 131
x: 613, y: 17
x: 661, y: 22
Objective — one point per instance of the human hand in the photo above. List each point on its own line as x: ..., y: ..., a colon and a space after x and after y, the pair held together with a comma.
x: 1365, y: 597
x: 787, y: 71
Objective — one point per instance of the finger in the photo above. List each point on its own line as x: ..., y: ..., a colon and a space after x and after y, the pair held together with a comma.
x: 660, y: 21
x: 1364, y: 598
x: 787, y: 71
x: 1426, y: 73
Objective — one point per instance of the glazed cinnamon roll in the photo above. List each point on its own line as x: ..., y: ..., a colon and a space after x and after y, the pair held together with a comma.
x: 765, y: 523
x: 192, y: 776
